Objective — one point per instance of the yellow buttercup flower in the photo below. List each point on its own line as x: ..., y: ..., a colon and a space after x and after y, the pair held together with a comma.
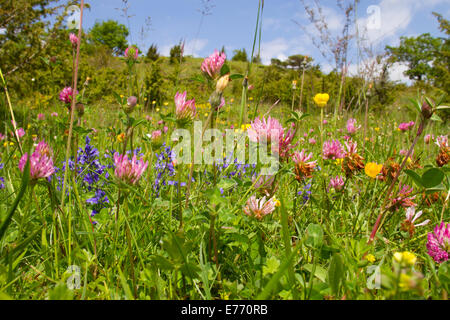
x: 372, y: 169
x: 321, y: 99
x: 370, y: 258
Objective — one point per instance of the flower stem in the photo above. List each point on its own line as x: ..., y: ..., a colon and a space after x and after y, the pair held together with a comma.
x: 72, y: 109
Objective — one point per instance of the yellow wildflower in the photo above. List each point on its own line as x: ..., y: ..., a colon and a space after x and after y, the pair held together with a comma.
x: 157, y: 109
x: 321, y: 99
x: 404, y: 281
x: 277, y: 202
x: 370, y: 258
x: 120, y: 137
x: 377, y: 129
x: 405, y: 257
x: 166, y: 104
x: 372, y: 169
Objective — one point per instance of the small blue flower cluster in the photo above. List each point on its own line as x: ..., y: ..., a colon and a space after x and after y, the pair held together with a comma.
x: 2, y: 180
x: 238, y: 170
x: 306, y: 192
x: 164, y: 168
x: 92, y: 175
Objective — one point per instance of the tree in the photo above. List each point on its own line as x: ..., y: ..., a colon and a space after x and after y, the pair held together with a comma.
x: 153, y: 84
x: 240, y: 55
x: 152, y: 53
x: 110, y: 34
x: 419, y: 53
x: 297, y: 61
x: 176, y: 53
x: 442, y: 60
x: 25, y: 33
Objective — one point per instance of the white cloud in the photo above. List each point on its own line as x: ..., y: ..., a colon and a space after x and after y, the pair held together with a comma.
x: 194, y: 46
x: 396, y: 73
x: 385, y: 21
x: 276, y: 48
x: 281, y: 48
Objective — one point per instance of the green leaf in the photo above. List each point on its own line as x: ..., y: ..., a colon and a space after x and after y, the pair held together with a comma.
x: 336, y: 273
x: 272, y: 265
x: 415, y: 105
x: 444, y: 274
x: 435, y: 117
x: 416, y: 178
x: 225, y: 69
x: 320, y: 273
x: 81, y: 130
x: 61, y: 292
x: 23, y: 188
x: 198, y: 78
x: 161, y: 262
x: 432, y: 178
x: 236, y: 76
x: 276, y: 277
x: 215, y: 197
x: 314, y: 236
x: 443, y: 107
x: 226, y: 184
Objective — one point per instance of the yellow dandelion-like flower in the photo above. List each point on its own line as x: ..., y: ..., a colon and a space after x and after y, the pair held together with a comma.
x: 377, y: 129
x: 121, y: 95
x: 372, y: 169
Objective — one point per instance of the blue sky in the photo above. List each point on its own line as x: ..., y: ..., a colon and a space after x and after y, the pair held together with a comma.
x: 232, y: 23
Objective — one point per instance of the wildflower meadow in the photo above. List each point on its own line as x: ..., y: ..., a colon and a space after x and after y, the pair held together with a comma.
x: 126, y: 175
